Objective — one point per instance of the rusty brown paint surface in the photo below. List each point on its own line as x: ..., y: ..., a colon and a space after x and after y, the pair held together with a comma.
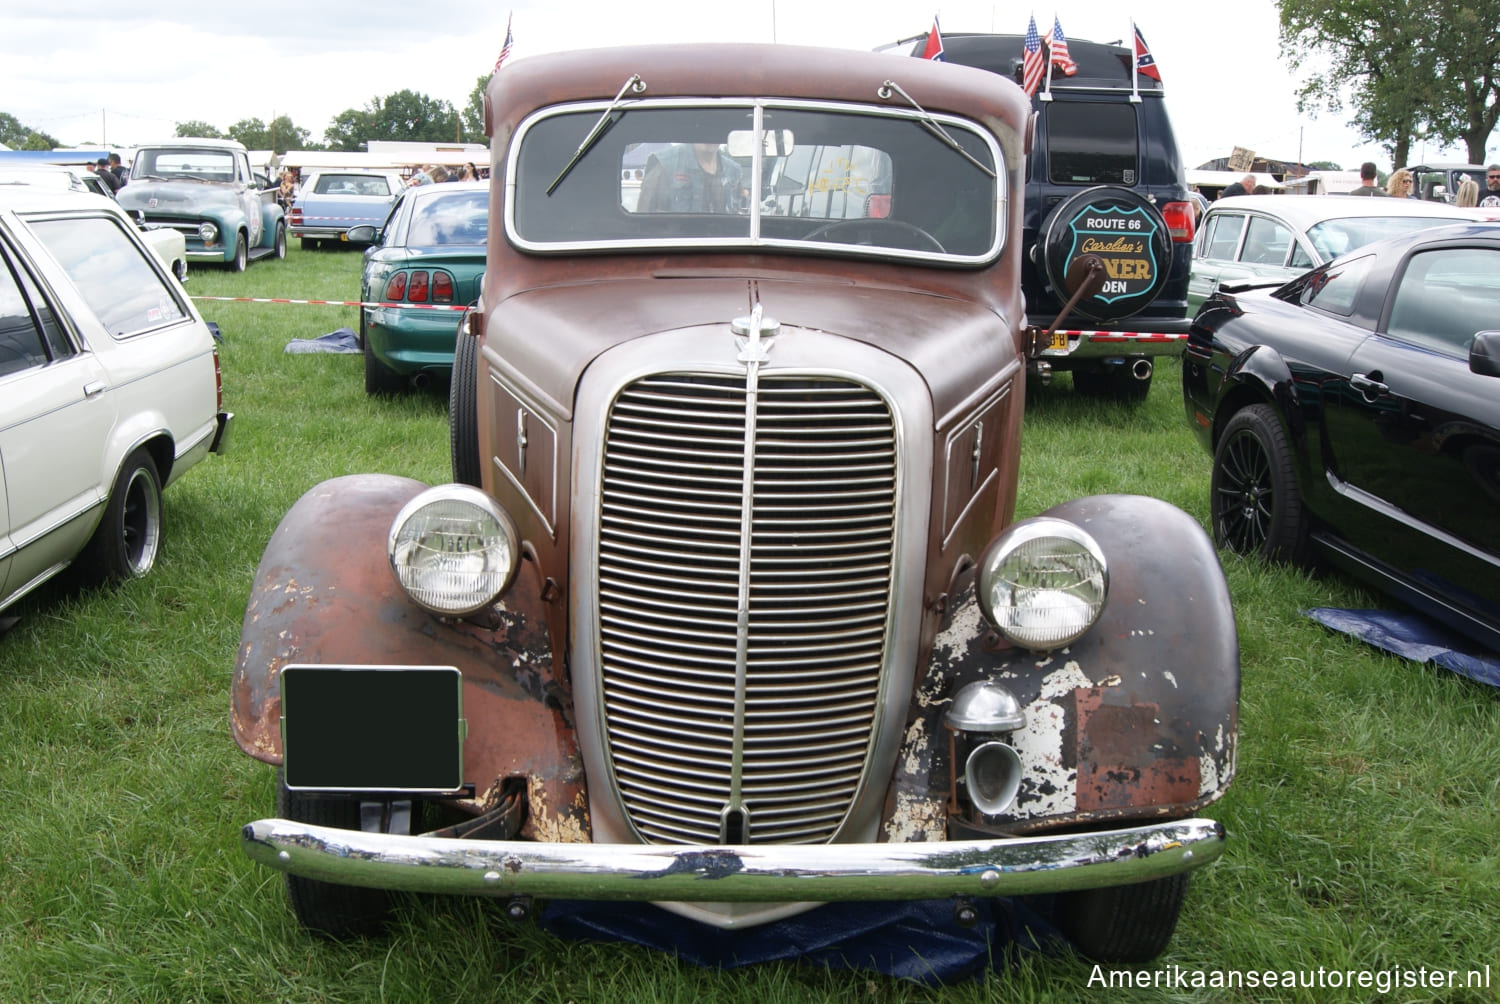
x: 324, y: 594
x: 1138, y: 719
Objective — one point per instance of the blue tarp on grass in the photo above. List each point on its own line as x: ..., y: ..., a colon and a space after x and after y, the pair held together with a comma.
x: 1414, y: 637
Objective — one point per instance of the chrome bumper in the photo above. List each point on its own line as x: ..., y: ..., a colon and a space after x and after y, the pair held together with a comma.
x: 752, y: 874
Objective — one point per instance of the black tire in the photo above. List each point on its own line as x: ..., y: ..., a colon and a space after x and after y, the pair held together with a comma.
x: 1253, y: 496
x: 179, y: 269
x: 1113, y: 382
x: 1125, y: 923
x: 241, y: 253
x: 280, y: 240
x: 463, y: 411
x: 128, y: 537
x: 378, y: 378
x: 326, y: 908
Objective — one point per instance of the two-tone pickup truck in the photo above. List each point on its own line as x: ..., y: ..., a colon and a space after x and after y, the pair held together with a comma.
x: 205, y: 189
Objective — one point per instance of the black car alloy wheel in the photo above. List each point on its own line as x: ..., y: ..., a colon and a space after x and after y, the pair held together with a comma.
x: 1254, y: 500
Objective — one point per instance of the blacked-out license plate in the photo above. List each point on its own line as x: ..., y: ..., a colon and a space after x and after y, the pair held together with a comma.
x: 372, y: 728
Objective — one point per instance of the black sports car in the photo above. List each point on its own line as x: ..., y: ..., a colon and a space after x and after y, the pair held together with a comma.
x: 1354, y: 416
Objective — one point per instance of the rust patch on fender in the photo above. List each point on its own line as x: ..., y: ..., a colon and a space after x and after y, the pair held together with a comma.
x: 1124, y: 760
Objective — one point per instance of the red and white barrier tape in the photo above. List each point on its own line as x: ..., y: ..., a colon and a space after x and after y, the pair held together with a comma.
x: 1126, y: 336
x: 331, y: 303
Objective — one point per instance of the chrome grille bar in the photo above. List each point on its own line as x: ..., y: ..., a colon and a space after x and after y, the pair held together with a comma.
x: 747, y: 535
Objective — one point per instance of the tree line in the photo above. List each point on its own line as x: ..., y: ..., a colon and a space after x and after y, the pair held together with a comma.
x: 1407, y: 70
x: 405, y: 116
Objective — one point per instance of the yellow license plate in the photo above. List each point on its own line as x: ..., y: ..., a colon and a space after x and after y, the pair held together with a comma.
x: 1059, y: 341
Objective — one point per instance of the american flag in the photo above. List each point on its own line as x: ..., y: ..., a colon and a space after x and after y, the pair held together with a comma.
x: 504, y: 49
x: 1031, y: 62
x: 1060, y: 57
x: 1145, y: 63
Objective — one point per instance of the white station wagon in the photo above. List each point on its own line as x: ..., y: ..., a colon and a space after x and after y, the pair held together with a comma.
x: 109, y: 390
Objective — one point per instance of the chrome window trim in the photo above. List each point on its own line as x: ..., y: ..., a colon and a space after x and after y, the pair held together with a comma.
x: 754, y: 241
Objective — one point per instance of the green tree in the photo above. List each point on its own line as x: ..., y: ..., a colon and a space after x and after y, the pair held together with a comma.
x: 404, y: 116
x: 279, y: 136
x: 474, y: 112
x: 1405, y: 69
x: 20, y: 137
x: 198, y: 130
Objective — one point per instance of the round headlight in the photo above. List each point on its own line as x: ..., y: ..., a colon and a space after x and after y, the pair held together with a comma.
x: 207, y: 232
x: 1042, y: 583
x: 453, y: 550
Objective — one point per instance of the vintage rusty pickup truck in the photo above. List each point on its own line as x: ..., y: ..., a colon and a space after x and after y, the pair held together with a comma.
x: 727, y: 608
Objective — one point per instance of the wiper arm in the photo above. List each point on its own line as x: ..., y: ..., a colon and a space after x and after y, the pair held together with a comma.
x: 636, y: 86
x: 931, y: 124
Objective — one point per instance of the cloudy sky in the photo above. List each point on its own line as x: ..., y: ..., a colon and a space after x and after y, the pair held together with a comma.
x: 125, y: 74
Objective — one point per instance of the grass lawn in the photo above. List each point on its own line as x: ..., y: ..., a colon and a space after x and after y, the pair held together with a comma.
x: 1363, y: 822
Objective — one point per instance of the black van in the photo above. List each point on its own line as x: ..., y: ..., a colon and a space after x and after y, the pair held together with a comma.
x: 1105, y: 179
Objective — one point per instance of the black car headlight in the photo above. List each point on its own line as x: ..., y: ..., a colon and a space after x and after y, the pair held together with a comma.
x: 1042, y: 583
x: 453, y: 550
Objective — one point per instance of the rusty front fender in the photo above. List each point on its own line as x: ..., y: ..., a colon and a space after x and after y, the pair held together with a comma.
x: 1138, y: 719
x: 324, y: 593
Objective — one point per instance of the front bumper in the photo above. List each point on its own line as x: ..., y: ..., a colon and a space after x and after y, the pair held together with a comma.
x: 760, y: 873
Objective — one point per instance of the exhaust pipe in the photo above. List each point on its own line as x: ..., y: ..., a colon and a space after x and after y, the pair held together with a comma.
x: 423, y: 379
x: 1141, y: 369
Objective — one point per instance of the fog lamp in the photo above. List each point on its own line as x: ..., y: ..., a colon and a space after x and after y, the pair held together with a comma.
x: 1042, y: 583
x: 453, y: 550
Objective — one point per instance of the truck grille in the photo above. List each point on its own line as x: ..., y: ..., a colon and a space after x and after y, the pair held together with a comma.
x: 822, y: 539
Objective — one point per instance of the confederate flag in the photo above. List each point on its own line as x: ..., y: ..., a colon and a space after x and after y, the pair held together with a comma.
x: 1145, y: 63
x: 933, y: 48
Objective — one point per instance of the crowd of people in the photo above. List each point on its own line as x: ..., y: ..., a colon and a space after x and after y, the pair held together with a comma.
x: 432, y: 174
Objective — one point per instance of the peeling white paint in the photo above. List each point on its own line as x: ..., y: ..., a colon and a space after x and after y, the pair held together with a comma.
x: 914, y: 746
x: 917, y: 820
x: 1167, y: 675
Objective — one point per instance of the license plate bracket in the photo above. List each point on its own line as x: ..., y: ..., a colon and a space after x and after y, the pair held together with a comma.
x: 397, y: 729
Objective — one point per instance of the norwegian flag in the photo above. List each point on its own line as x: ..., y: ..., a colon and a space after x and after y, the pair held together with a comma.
x: 933, y: 49
x: 1060, y: 57
x: 504, y: 49
x: 1145, y: 63
x: 1031, y: 61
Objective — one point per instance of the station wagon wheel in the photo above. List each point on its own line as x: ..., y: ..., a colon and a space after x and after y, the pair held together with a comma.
x: 1253, y: 497
x: 241, y: 253
x: 1123, y: 923
x: 336, y: 911
x: 878, y: 233
x: 126, y: 542
x: 463, y: 410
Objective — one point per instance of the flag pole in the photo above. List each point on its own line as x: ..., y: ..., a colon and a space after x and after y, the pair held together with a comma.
x: 1135, y: 66
x: 1046, y: 94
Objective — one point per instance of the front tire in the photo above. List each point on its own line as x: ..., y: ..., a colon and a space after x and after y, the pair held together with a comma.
x: 463, y: 411
x: 280, y: 240
x: 1253, y: 497
x: 128, y: 538
x: 1123, y: 924
x: 334, y: 911
x: 241, y: 253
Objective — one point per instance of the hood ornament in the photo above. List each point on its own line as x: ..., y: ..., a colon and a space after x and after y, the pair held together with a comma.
x: 755, y: 336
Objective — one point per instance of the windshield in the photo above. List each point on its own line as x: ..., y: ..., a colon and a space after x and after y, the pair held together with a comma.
x: 731, y: 174
x: 184, y: 162
x: 460, y: 218
x: 1332, y: 238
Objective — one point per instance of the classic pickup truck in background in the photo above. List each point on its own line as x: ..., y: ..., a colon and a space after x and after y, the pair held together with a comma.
x: 205, y: 189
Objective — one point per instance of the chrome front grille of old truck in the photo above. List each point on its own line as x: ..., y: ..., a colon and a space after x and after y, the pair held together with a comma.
x: 786, y: 766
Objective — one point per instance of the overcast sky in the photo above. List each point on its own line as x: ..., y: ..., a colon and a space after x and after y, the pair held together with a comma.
x: 125, y: 74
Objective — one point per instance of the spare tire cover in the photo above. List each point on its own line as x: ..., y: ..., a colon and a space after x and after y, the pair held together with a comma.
x: 1125, y: 232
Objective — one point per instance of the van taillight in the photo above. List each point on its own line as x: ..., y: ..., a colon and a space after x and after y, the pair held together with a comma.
x: 417, y: 291
x: 442, y: 287
x: 1179, y: 220
x: 396, y: 288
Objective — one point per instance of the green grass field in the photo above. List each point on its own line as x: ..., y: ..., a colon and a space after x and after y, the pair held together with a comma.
x: 1363, y: 822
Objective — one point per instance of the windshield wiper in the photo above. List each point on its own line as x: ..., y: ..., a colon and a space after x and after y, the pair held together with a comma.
x: 636, y: 86
x: 931, y: 124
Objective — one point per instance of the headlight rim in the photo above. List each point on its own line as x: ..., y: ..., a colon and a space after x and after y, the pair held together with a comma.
x: 1023, y: 532
x: 479, y: 499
